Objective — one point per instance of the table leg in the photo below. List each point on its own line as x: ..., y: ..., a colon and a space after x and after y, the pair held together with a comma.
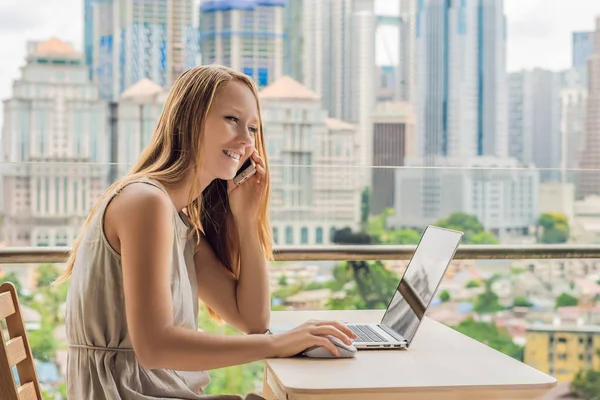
x: 267, y: 392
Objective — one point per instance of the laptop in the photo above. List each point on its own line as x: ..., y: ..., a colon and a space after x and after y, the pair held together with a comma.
x: 414, y: 294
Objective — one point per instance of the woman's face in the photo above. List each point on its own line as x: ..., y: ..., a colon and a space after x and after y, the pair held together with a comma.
x: 230, y: 130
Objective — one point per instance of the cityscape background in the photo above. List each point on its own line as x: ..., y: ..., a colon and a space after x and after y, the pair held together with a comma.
x: 381, y: 117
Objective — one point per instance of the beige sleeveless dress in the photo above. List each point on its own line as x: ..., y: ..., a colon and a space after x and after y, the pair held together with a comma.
x: 101, y: 362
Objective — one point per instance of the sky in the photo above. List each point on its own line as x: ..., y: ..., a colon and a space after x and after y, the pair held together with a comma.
x: 539, y: 31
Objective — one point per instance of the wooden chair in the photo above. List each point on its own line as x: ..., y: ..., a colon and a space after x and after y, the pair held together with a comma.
x: 15, y: 351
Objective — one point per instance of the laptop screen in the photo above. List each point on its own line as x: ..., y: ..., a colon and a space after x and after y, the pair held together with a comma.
x: 420, y: 280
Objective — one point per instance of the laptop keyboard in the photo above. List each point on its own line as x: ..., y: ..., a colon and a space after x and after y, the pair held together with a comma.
x: 366, y: 334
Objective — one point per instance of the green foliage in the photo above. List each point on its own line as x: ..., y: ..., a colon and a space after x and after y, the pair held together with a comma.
x: 282, y: 281
x: 487, y: 302
x: 554, y: 228
x: 239, y: 379
x: 492, y: 336
x: 566, y: 300
x: 12, y: 277
x: 586, y: 384
x: 365, y: 205
x: 521, y: 302
x: 474, y: 233
x: 377, y: 229
x: 473, y: 284
x: 368, y: 285
x: 445, y: 296
x: 517, y: 270
x: 43, y: 344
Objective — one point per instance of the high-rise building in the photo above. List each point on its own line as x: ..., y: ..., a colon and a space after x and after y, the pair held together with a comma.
x: 339, y: 61
x: 55, y: 146
x: 246, y: 35
x: 406, y: 54
x: 308, y: 203
x: 535, y: 118
x: 393, y: 136
x: 128, y: 40
x: 589, y: 181
x: 293, y: 48
x: 572, y: 126
x: 583, y: 48
x: 461, y: 117
x: 461, y: 97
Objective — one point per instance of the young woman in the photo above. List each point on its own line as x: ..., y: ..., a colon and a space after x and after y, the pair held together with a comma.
x: 174, y: 231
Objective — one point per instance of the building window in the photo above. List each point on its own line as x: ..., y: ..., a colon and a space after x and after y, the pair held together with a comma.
x: 289, y: 235
x: 61, y: 239
x: 332, y: 232
x: 304, y: 235
x: 319, y: 235
x: 42, y: 239
x: 276, y: 235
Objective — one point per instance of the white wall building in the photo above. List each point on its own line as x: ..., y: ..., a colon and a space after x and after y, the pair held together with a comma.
x: 314, y: 191
x: 137, y: 114
x: 55, y: 147
x: 503, y: 197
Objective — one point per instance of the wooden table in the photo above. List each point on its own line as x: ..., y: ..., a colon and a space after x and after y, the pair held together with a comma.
x: 440, y: 364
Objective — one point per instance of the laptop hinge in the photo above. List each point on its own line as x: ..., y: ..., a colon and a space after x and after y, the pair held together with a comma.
x: 392, y: 333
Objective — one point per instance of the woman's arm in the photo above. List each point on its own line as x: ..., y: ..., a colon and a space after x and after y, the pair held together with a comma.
x: 244, y: 303
x: 143, y: 219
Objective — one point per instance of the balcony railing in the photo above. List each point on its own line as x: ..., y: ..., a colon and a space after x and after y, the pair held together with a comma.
x: 24, y: 255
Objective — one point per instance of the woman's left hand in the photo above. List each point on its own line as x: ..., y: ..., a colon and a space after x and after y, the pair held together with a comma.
x: 244, y: 200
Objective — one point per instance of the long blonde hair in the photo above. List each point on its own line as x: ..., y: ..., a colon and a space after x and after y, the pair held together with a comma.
x: 175, y: 148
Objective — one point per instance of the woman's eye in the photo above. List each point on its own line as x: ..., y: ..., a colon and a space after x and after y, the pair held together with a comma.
x: 231, y: 118
x: 253, y: 130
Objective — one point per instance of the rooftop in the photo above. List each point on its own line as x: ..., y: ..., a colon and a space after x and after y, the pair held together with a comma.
x: 565, y: 328
x: 143, y: 89
x: 339, y: 125
x: 55, y: 46
x: 286, y: 88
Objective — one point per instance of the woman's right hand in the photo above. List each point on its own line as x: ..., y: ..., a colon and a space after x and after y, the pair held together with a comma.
x: 311, y: 333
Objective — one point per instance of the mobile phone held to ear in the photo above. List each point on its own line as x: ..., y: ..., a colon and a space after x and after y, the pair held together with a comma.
x: 246, y: 171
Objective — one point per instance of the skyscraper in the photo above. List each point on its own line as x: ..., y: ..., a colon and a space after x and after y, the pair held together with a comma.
x: 246, y: 35
x: 535, y: 115
x: 583, y: 48
x: 589, y: 181
x: 461, y: 117
x: 339, y: 61
x: 293, y: 48
x: 128, y: 40
x: 461, y: 99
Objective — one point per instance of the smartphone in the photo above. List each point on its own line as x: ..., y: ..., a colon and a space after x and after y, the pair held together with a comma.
x: 246, y: 171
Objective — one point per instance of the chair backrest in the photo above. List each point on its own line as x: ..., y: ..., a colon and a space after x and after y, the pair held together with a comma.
x: 15, y: 351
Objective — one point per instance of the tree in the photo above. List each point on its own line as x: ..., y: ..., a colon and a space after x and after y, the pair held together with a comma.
x: 374, y: 283
x: 492, y: 336
x: 445, y: 296
x: 521, y: 302
x: 368, y: 285
x: 282, y: 281
x: 487, y: 302
x: 474, y: 232
x: 12, y: 277
x: 473, y: 284
x: 586, y: 384
x: 365, y: 205
x: 566, y: 300
x: 554, y: 228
